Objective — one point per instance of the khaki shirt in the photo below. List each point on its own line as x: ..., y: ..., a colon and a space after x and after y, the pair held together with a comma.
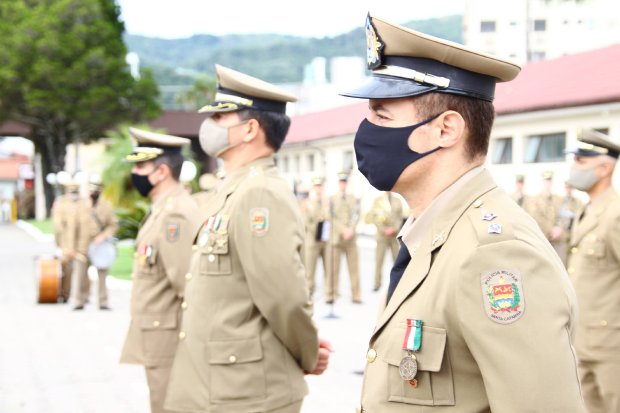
x: 164, y: 248
x: 65, y: 215
x: 316, y: 211
x: 203, y: 197
x: 94, y: 220
x: 497, y: 307
x: 545, y: 209
x: 247, y: 333
x: 386, y: 212
x: 594, y: 268
x: 567, y: 215
x: 345, y: 211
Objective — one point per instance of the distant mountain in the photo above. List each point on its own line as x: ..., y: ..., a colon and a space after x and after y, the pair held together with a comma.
x: 275, y: 58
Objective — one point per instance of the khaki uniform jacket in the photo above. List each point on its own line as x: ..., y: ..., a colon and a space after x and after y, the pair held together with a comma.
x: 569, y: 208
x: 106, y: 222
x: 346, y: 215
x: 164, y: 248
x: 594, y: 268
x: 65, y: 214
x: 481, y: 351
x: 385, y: 213
x: 545, y: 211
x: 247, y: 333
x: 203, y: 197
x: 315, y: 212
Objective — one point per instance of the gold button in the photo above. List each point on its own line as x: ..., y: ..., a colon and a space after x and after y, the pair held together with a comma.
x: 371, y: 355
x: 571, y: 270
x: 477, y: 203
x: 184, y: 305
x: 604, y: 323
x: 574, y: 250
x: 182, y: 335
x: 188, y: 276
x: 194, y: 247
x: 590, y: 252
x: 211, y: 257
x: 156, y: 323
x: 232, y: 359
x: 209, y: 249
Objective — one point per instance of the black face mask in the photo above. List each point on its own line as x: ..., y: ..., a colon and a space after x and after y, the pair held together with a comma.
x: 142, y: 184
x: 383, y: 153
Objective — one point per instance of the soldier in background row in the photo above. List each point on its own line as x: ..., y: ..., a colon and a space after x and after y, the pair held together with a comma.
x: 316, y: 215
x: 387, y: 215
x: 544, y: 208
x: 569, y: 207
x: 96, y: 224
x: 519, y: 194
x: 344, y: 212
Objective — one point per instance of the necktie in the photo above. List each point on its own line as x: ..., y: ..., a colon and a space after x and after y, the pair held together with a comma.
x: 401, y: 262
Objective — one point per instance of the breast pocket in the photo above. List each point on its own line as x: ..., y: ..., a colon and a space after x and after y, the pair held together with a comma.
x: 236, y: 369
x: 434, y: 386
x: 215, y: 258
x: 593, y: 251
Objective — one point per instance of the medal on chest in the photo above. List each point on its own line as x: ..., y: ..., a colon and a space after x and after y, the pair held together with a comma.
x: 408, y: 367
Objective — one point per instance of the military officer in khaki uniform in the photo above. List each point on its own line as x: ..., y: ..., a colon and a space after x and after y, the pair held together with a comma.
x: 208, y: 186
x: 345, y: 213
x: 594, y: 268
x: 475, y: 279
x: 519, y: 195
x: 164, y: 248
x: 545, y: 209
x: 247, y: 334
x: 64, y: 215
x: 387, y: 215
x: 96, y: 224
x: 318, y: 231
x: 569, y: 207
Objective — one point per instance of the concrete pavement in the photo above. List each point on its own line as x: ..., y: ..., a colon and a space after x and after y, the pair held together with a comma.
x: 55, y: 360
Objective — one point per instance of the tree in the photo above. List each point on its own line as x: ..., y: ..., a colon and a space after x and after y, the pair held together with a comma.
x: 63, y: 73
x: 201, y: 94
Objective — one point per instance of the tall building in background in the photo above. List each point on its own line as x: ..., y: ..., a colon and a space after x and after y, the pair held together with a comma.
x: 532, y: 30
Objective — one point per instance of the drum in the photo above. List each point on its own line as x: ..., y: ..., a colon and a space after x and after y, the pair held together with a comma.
x: 48, y: 279
x: 103, y: 254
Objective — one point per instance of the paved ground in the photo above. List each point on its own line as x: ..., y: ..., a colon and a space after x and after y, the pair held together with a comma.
x: 55, y: 360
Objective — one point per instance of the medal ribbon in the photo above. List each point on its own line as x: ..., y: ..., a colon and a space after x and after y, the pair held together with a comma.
x: 413, y: 335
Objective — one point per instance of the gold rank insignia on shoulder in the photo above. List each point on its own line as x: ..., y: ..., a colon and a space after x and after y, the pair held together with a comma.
x: 488, y: 216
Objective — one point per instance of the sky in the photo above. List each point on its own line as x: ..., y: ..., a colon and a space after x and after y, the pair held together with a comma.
x: 309, y: 18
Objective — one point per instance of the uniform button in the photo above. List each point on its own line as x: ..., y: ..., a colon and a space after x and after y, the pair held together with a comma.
x: 184, y: 305
x: 211, y: 257
x: 182, y: 335
x: 477, y: 203
x: 574, y: 250
x: 188, y: 276
x: 209, y: 249
x: 232, y: 359
x: 371, y: 355
x: 571, y: 270
x: 194, y: 247
x: 156, y: 323
x: 590, y: 252
x: 604, y: 323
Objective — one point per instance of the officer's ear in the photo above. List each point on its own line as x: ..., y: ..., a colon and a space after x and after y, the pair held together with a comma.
x: 449, y: 127
x: 252, y: 128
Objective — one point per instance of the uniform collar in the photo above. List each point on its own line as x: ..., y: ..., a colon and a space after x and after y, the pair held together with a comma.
x: 256, y: 166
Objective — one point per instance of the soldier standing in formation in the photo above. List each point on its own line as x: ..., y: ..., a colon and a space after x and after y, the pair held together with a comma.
x: 387, y: 215
x: 569, y: 207
x: 96, y: 223
x: 344, y: 211
x: 545, y: 208
x: 208, y: 186
x: 64, y: 215
x: 594, y: 268
x: 247, y: 336
x: 316, y: 215
x: 519, y: 195
x: 475, y: 279
x: 164, y: 248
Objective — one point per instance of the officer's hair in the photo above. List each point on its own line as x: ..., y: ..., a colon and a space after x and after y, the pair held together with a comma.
x: 174, y: 161
x: 275, y: 125
x: 478, y: 115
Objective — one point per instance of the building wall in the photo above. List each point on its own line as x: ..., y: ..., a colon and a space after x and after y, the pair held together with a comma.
x: 558, y: 27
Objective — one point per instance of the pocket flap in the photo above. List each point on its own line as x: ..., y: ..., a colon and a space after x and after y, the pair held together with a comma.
x: 158, y: 322
x: 603, y: 321
x: 431, y: 351
x: 235, y: 351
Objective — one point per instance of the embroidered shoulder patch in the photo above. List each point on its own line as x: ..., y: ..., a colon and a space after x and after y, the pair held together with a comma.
x: 502, y: 294
x: 259, y: 221
x: 172, y: 232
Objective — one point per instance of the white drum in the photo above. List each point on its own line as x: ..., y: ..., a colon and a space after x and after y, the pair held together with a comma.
x: 102, y: 255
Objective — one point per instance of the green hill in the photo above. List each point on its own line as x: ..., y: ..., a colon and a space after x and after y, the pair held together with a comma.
x: 275, y: 58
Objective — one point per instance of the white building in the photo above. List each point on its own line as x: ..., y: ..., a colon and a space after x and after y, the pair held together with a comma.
x: 544, y: 29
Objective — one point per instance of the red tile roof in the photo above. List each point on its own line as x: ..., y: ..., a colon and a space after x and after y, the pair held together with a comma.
x: 576, y: 80
x: 179, y: 123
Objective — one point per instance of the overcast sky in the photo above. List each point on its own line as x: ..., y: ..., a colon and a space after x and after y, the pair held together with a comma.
x: 184, y: 18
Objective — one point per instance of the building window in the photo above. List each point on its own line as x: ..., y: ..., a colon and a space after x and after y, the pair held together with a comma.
x: 537, y: 56
x: 487, y: 26
x: 347, y: 161
x: 546, y: 148
x: 540, y: 25
x: 311, y: 166
x: 284, y: 164
x: 502, y: 151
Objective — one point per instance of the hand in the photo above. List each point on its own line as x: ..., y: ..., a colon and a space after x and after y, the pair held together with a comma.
x: 347, y: 234
x: 389, y: 231
x: 556, y: 233
x: 100, y: 238
x: 325, y: 348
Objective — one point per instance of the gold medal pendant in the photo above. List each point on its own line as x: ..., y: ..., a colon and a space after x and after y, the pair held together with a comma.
x: 408, y: 367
